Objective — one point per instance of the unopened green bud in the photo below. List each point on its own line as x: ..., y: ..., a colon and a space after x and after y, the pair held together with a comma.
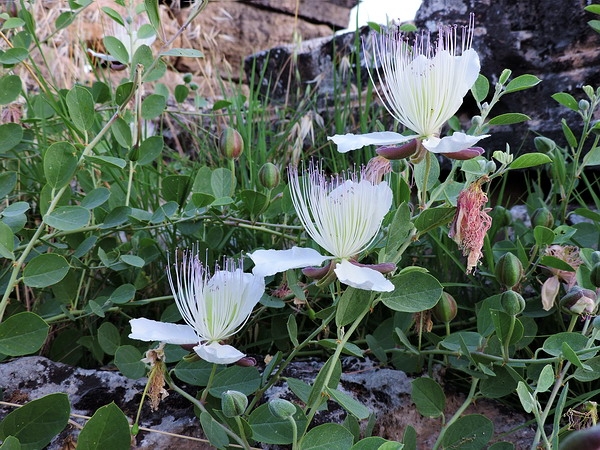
x: 579, y: 301
x: 595, y: 275
x: 187, y: 77
x: 445, y: 310
x: 281, y: 408
x: 134, y: 153
x: 268, y: 175
x: 501, y: 216
x: 231, y: 143
x: 544, y: 144
x: 585, y: 439
x: 512, y: 302
x: 490, y: 166
x: 233, y: 403
x: 509, y: 270
x: 542, y: 217
x: 194, y: 86
x: 584, y: 105
x: 476, y: 120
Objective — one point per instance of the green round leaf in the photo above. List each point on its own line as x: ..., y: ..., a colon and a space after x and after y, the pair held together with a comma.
x: 8, y: 181
x: 414, y: 292
x: 123, y: 294
x: 68, y: 218
x: 11, y: 443
x: 10, y: 88
x: 36, y: 423
x: 243, y: 379
x: 95, y: 198
x: 128, y: 360
x: 45, y: 270
x: 553, y: 345
x: 14, y: 55
x: 196, y: 373
x: 132, y: 260
x: 428, y: 397
x: 109, y: 338
x: 10, y: 136
x: 153, y: 106
x: 268, y: 429
x: 330, y: 436
x: 116, y: 49
x: 108, y: 428
x: 80, y: 104
x: 60, y: 163
x: 22, y: 334
x: 150, y: 149
x: 471, y: 432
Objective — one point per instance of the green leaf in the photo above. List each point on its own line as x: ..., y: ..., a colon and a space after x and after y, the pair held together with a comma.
x: 414, y: 292
x: 292, y: 328
x: 11, y: 443
x: 572, y: 357
x: 109, y: 338
x: 521, y: 82
x: 553, y: 345
x: 319, y: 383
x: 349, y: 348
x: 14, y: 55
x: 60, y: 164
x: 68, y: 218
x: 80, y: 104
x: 268, y: 429
x: 329, y: 436
x: 38, y: 422
x: 10, y: 136
x: 22, y: 334
x: 502, y: 446
x: 214, y: 432
x: 150, y: 149
x: 114, y: 15
x: 196, y: 373
x: 181, y: 93
x: 116, y: 49
x: 124, y: 92
x: 589, y: 373
x: 183, y: 52
x: 530, y: 160
x: 243, y: 379
x: 96, y: 197
x: 175, y: 188
x: 351, y: 305
x: 432, y: 218
x: 133, y: 260
x: 509, y: 119
x: 527, y: 401
x: 122, y: 132
x: 500, y: 385
x: 153, y: 106
x: 128, y: 360
x: 428, y: 397
x: 566, y: 100
x: 45, y: 270
x: 433, y: 174
x: 351, y: 405
x: 107, y: 428
x: 481, y: 88
x: 107, y: 161
x: 545, y: 379
x: 543, y: 235
x: 10, y: 88
x: 222, y: 182
x: 12, y: 23
x: 254, y: 201
x: 376, y: 442
x: 569, y: 135
x: 8, y: 181
x: 153, y: 14
x: 123, y: 294
x: 7, y: 242
x: 595, y: 25
x: 594, y: 9
x: 470, y: 432
x: 554, y: 262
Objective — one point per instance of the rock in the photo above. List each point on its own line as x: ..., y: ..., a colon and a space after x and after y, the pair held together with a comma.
x: 385, y: 391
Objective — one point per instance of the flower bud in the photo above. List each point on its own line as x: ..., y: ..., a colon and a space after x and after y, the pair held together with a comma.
x: 585, y: 439
x: 233, y: 403
x: 268, y: 175
x: 194, y: 86
x: 579, y: 301
x: 446, y: 308
x: 476, y: 120
x: 543, y: 144
x: 231, y: 143
x: 542, y: 217
x: 509, y: 270
x: 490, y: 166
x: 281, y: 408
x: 512, y: 302
x: 584, y: 105
x: 595, y: 275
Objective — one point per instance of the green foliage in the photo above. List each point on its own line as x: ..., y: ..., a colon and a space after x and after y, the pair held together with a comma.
x: 108, y: 428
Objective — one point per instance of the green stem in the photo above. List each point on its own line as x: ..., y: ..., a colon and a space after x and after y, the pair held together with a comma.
x: 423, y: 191
x: 209, y: 383
x: 294, y: 432
x: 458, y: 412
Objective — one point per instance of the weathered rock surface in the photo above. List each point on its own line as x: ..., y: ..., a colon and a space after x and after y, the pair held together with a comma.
x: 385, y: 391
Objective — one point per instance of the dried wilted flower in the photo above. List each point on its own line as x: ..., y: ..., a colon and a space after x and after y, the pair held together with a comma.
x: 471, y: 223
x: 156, y: 378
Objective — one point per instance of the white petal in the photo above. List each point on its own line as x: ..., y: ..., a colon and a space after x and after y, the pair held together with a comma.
x: 270, y: 262
x: 470, y: 62
x: 218, y: 354
x: 170, y: 333
x: 362, y: 277
x: 347, y: 142
x: 454, y: 143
